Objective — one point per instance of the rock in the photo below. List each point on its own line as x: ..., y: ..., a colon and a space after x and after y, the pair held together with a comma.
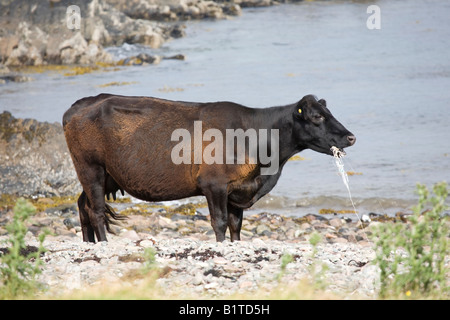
x: 33, y: 32
x: 313, y: 217
x: 166, y: 223
x: 336, y: 222
x: 64, y: 210
x: 290, y: 234
x: 198, y: 279
x: 202, y: 224
x: 34, y: 159
x: 28, y: 48
x: 351, y: 237
x: 176, y: 57
x: 246, y: 284
x: 72, y: 49
x: 262, y: 229
x: 130, y: 234
x: 76, y: 50
x: 164, y: 10
x: 140, y: 59
x: 305, y: 226
x: 71, y: 223
x: 14, y: 78
x: 220, y: 260
x: 178, y: 31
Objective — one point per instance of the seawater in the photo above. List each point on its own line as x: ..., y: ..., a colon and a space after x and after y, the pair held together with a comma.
x: 390, y: 87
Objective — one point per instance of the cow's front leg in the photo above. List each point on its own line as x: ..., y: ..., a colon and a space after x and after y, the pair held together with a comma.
x: 217, y: 202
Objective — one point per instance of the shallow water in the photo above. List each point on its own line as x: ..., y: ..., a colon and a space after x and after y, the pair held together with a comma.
x: 390, y: 87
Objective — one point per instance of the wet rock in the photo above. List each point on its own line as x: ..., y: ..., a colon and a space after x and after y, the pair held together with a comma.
x: 14, y: 78
x: 176, y: 57
x: 178, y: 31
x: 141, y: 59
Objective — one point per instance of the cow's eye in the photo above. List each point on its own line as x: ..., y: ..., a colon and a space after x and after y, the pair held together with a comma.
x: 318, y: 118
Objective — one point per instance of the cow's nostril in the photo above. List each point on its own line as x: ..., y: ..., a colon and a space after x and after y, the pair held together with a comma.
x: 351, y: 139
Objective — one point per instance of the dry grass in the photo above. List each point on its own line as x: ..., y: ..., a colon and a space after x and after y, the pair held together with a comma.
x: 144, y: 287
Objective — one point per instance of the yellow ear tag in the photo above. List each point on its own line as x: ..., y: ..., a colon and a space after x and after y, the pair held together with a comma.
x: 299, y: 110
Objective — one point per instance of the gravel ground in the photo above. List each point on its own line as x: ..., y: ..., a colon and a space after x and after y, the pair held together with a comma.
x: 274, y: 257
x: 203, y: 268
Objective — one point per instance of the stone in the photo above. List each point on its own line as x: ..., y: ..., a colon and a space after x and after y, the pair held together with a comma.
x: 262, y: 229
x: 336, y: 222
x: 167, y: 223
x: 220, y: 260
x: 130, y: 234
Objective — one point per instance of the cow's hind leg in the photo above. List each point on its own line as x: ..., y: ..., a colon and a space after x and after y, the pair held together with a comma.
x: 93, y: 181
x: 86, y: 227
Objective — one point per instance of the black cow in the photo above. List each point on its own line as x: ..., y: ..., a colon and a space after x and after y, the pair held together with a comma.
x: 160, y: 150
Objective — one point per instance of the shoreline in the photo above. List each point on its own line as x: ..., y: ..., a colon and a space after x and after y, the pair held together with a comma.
x: 34, y: 35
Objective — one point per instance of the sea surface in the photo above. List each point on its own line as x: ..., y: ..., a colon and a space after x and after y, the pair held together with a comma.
x: 389, y: 86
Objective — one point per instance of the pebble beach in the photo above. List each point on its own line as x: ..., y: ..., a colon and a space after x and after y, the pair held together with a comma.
x: 275, y: 252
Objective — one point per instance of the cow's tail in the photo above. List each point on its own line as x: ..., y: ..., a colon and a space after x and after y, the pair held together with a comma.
x: 111, y: 218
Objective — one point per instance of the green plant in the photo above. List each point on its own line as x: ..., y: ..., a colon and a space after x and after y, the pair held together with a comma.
x: 318, y: 275
x: 411, y: 256
x: 149, y: 260
x: 19, y: 265
x: 286, y: 258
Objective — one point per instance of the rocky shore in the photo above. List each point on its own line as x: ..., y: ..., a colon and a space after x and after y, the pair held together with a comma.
x: 34, y: 159
x: 191, y: 264
x: 35, y: 33
x: 42, y: 32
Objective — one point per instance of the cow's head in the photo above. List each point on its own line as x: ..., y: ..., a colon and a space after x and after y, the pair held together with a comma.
x: 316, y: 128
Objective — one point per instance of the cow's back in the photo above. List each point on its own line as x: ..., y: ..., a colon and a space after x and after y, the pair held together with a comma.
x: 131, y: 138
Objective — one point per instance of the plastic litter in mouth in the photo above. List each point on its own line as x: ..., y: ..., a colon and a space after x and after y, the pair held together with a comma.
x: 338, y: 154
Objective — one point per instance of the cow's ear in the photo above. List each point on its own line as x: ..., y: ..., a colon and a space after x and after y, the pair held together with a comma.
x: 322, y: 102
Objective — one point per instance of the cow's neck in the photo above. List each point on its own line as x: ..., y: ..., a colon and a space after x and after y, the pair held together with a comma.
x: 281, y: 118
